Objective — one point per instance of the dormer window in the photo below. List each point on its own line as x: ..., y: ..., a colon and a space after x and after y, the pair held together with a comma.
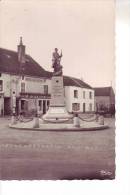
x: 8, y: 56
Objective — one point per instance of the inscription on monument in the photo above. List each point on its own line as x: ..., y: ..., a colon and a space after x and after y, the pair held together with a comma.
x: 57, y: 91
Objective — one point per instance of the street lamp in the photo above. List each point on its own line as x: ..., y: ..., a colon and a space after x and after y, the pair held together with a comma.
x: 13, y: 119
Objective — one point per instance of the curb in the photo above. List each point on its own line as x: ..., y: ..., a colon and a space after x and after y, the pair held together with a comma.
x: 63, y: 129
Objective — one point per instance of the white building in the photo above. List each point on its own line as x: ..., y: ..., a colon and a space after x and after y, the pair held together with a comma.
x: 23, y: 77
x: 79, y: 96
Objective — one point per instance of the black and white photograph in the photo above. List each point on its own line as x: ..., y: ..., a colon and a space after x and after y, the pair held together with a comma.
x: 57, y: 90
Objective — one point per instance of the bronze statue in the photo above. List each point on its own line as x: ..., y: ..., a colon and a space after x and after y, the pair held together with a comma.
x: 56, y: 58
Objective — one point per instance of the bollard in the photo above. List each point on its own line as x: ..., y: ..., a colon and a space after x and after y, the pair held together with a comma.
x: 36, y: 122
x: 76, y: 121
x: 97, y: 117
x: 101, y: 120
x: 13, y: 120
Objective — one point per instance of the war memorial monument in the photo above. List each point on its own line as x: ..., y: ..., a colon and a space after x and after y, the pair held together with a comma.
x: 57, y: 117
x: 57, y: 111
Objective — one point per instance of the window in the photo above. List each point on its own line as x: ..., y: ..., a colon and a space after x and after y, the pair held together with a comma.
x: 75, y: 106
x: 22, y: 87
x: 1, y: 85
x: 90, y: 95
x: 75, y: 93
x: 90, y: 107
x: 83, y: 94
x: 45, y: 89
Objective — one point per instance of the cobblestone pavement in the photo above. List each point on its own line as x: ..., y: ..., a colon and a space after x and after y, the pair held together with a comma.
x: 56, y: 155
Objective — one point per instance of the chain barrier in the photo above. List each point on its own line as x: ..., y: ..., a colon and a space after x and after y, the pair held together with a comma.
x: 23, y: 120
x: 90, y: 120
x: 58, y: 120
x: 70, y: 119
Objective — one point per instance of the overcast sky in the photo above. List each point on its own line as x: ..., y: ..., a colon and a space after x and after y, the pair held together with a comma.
x: 84, y: 30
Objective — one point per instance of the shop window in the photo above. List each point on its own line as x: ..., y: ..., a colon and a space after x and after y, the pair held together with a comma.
x: 45, y: 89
x: 75, y: 93
x: 75, y: 106
x: 1, y: 85
x: 40, y: 105
x: 23, y: 87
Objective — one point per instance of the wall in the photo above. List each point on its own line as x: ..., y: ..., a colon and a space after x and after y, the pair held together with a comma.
x: 10, y: 83
x: 35, y: 85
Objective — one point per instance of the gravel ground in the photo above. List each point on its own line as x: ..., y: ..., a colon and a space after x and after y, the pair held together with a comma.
x: 34, y: 155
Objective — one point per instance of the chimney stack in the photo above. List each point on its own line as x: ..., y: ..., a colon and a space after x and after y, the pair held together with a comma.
x: 21, y: 52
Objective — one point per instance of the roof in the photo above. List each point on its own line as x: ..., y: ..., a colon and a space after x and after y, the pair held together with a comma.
x: 71, y: 81
x: 102, y: 91
x: 9, y: 64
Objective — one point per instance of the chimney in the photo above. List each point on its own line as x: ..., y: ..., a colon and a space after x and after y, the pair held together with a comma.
x: 21, y: 52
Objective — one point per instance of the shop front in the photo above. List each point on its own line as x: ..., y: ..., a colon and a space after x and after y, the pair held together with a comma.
x: 31, y: 103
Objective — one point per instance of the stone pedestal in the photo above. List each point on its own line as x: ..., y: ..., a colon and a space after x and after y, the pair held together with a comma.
x: 57, y: 111
x: 76, y: 121
x: 13, y: 120
x: 36, y: 122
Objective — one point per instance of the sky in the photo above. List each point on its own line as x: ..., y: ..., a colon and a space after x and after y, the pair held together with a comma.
x: 83, y: 30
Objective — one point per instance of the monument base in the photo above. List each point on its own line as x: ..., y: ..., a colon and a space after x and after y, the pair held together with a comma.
x: 56, y: 114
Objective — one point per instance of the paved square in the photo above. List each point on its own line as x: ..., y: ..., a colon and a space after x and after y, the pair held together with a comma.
x: 56, y: 155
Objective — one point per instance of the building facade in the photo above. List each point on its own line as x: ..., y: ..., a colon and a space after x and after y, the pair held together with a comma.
x: 26, y: 86
x: 32, y: 94
x: 104, y: 98
x: 79, y: 99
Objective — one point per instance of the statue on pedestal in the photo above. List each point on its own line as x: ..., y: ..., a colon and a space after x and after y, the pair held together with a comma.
x: 57, y: 112
x: 56, y: 58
